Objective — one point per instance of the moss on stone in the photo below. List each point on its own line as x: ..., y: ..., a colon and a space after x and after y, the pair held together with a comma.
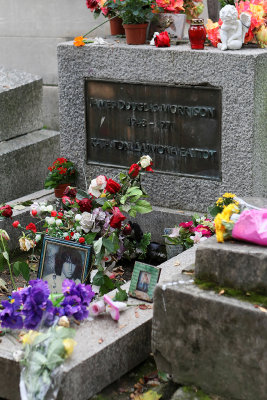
x: 196, y: 393
x: 251, y: 297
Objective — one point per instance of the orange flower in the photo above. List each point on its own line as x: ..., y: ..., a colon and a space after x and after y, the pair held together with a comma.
x: 78, y: 41
x: 213, y: 32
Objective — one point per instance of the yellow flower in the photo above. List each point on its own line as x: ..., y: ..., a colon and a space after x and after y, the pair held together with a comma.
x: 69, y: 346
x: 261, y: 36
x: 103, y: 195
x: 219, y: 228
x: 229, y: 195
x: 228, y: 211
x: 219, y: 201
x: 29, y: 337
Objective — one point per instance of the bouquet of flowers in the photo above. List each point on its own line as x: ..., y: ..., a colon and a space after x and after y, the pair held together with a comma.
x: 239, y: 220
x: 61, y: 171
x: 189, y: 233
x: 191, y: 8
x: 257, y: 32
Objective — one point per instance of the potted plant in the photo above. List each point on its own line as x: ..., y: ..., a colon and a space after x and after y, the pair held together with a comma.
x: 109, y: 9
x: 61, y: 174
x: 135, y: 15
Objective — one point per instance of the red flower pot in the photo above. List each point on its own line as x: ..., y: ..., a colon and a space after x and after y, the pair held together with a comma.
x: 116, y: 27
x: 135, y: 33
x: 59, y: 190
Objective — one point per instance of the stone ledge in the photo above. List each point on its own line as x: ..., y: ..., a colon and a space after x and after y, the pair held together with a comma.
x: 92, y: 365
x: 214, y: 342
x: 234, y: 264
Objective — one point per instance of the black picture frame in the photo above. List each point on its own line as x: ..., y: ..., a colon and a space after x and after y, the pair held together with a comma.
x: 61, y: 259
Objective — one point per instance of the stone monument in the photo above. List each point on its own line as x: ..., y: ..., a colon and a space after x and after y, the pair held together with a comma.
x: 200, y: 115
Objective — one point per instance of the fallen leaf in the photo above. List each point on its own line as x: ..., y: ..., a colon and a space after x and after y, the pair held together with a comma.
x: 122, y: 390
x: 177, y: 263
x: 261, y: 308
x: 122, y: 326
x: 153, y: 382
x: 3, y: 287
x: 100, y: 341
x: 136, y: 314
x: 138, y: 387
x: 188, y: 271
x: 150, y: 395
x: 145, y: 306
x: 221, y: 292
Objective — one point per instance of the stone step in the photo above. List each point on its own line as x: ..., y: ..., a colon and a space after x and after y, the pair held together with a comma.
x: 24, y: 161
x: 215, y: 342
x: 20, y: 103
x: 23, y: 216
x: 234, y: 264
x: 95, y: 364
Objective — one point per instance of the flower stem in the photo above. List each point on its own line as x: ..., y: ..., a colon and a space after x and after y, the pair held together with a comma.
x: 92, y: 30
x: 8, y: 263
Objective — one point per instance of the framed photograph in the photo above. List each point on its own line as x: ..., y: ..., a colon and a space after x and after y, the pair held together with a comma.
x: 61, y: 259
x: 144, y: 280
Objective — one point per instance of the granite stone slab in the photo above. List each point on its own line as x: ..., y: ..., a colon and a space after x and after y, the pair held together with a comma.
x: 214, y: 342
x: 20, y: 103
x: 24, y: 161
x: 241, y: 76
x: 235, y: 264
x: 96, y: 363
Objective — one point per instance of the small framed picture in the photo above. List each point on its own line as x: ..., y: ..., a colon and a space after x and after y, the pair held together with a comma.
x: 61, y: 259
x: 144, y: 280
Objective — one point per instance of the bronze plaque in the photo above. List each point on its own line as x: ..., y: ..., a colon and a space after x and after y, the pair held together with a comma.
x: 178, y: 126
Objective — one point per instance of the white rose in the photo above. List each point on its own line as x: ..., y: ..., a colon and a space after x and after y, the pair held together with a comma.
x: 78, y: 228
x: 43, y: 208
x: 76, y: 236
x: 96, y: 185
x: 50, y: 220
x: 87, y: 222
x: 38, y: 238
x: 49, y: 208
x: 58, y: 222
x: 145, y: 161
x: 25, y: 244
x: 65, y: 234
x: 78, y: 217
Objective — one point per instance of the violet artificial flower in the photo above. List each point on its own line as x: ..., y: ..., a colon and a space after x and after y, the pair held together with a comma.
x: 10, y: 317
x: 77, y: 299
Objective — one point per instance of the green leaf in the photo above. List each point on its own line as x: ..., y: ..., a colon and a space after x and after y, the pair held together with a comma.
x: 121, y: 295
x: 82, y: 194
x: 6, y: 255
x: 105, y: 283
x: 98, y: 279
x: 107, y: 205
x: 143, y: 206
x: 25, y: 271
x: 16, y: 268
x: 132, y: 212
x: 98, y: 245
x: 126, y: 207
x: 111, y: 243
x: 90, y: 237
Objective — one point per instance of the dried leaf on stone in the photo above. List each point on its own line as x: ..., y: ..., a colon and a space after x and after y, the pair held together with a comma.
x: 100, y: 341
x: 177, y: 263
x: 150, y: 395
x: 3, y: 287
x: 221, y: 292
x: 145, y: 307
x: 136, y: 313
x: 122, y: 326
x: 188, y: 271
x: 261, y: 308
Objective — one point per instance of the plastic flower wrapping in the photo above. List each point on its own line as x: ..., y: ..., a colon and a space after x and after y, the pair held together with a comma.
x: 239, y: 220
x: 257, y: 32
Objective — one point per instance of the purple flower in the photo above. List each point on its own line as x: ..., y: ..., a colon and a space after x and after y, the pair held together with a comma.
x: 10, y: 317
x: 36, y: 306
x: 77, y: 299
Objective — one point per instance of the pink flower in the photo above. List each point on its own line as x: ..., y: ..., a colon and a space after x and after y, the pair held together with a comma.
x: 186, y: 224
x: 97, y: 308
x: 97, y: 185
x: 203, y: 230
x: 114, y: 307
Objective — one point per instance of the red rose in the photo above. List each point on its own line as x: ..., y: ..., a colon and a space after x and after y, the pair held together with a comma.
x: 85, y: 205
x: 71, y: 234
x: 53, y: 213
x: 134, y: 170
x: 67, y: 238
x: 6, y: 211
x: 81, y: 240
x: 117, y: 218
x: 60, y: 215
x: 92, y: 4
x: 34, y: 212
x: 127, y: 230
x: 31, y: 227
x: 112, y: 186
x: 162, y: 40
x: 70, y: 191
x: 15, y: 224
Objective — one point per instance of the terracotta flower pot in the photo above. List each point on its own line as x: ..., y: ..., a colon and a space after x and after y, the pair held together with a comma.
x: 59, y: 190
x: 116, y: 27
x: 135, y: 33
